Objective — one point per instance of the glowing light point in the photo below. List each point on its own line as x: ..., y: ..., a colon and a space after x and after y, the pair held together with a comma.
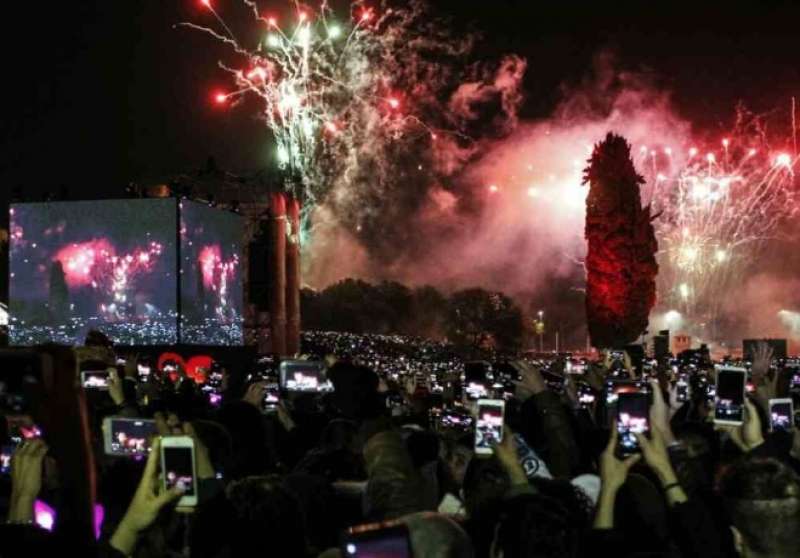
x: 751, y: 152
x: 711, y: 158
x: 672, y: 316
x: 684, y: 290
x: 331, y: 127
x: 304, y: 36
x: 668, y: 151
x: 783, y: 160
x: 221, y: 98
x: 366, y: 15
x: 725, y: 143
x: 692, y: 152
x: 334, y: 32
x: 493, y: 188
x: 273, y: 41
x: 721, y: 255
x: 434, y: 137
x: 643, y: 149
x: 661, y: 177
x: 394, y: 103
x: 206, y: 3
x: 302, y: 16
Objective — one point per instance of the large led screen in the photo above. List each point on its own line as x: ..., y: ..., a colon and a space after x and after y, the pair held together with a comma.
x: 105, y: 265
x: 211, y: 275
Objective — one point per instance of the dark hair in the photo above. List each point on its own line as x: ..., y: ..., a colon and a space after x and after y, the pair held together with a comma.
x: 266, y: 513
x: 537, y: 525
x: 762, y: 498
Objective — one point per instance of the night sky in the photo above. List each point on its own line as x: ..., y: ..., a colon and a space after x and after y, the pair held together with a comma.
x: 99, y: 92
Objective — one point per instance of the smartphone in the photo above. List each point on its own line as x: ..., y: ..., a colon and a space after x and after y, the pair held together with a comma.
x: 794, y: 384
x: 586, y: 396
x: 633, y: 417
x: 489, y: 425
x: 304, y: 375
x: 451, y: 419
x: 730, y: 393
x: 6, y: 452
x: 128, y: 436
x: 179, y: 468
x: 94, y: 379
x: 682, y: 389
x: 377, y: 540
x: 272, y: 396
x: 144, y: 371
x: 781, y: 415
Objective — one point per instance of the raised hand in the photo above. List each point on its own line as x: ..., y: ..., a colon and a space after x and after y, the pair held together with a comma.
x: 532, y: 381
x: 614, y: 471
x: 255, y: 394
x: 146, y: 504
x: 26, y: 479
x: 748, y: 435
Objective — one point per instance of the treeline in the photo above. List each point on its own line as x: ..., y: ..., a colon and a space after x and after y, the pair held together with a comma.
x: 470, y: 317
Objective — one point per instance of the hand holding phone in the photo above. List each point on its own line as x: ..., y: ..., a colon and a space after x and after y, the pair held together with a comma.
x: 489, y: 425
x: 179, y: 468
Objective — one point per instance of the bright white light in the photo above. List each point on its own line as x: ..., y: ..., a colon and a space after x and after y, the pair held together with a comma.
x: 672, y: 316
x: 783, y: 160
x: 334, y: 32
x: 533, y: 192
x: 304, y: 36
x: 684, y: 290
x: 721, y: 255
x: 273, y: 40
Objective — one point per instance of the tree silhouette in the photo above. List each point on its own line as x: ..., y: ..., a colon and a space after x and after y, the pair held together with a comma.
x: 620, y: 263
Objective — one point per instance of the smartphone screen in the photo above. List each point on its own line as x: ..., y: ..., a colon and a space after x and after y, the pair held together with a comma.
x: 377, y: 542
x: 94, y: 379
x: 6, y: 452
x: 272, y: 396
x: 729, y: 407
x: 633, y: 417
x: 781, y: 415
x: 129, y: 436
x: 303, y: 375
x: 489, y: 424
x: 586, y: 396
x: 179, y: 468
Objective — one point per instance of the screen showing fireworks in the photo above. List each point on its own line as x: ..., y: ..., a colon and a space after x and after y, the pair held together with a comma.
x: 211, y: 275
x: 106, y: 265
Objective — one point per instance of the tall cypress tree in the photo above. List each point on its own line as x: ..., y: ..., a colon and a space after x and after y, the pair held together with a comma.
x: 621, y: 265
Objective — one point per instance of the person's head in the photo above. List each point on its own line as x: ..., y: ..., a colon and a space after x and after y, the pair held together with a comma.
x: 265, y: 515
x: 762, y: 498
x: 355, y: 390
x: 535, y: 525
x: 436, y: 536
x: 456, y: 455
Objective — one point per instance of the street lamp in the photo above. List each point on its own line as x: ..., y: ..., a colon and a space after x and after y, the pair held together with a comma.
x: 540, y: 328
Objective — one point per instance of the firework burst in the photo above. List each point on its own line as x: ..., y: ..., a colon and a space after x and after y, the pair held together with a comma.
x: 354, y: 103
x: 718, y: 209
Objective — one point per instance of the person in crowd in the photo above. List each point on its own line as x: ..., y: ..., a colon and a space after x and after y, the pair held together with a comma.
x: 286, y: 479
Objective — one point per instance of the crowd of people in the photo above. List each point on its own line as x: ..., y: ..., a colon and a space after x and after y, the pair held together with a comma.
x: 382, y: 466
